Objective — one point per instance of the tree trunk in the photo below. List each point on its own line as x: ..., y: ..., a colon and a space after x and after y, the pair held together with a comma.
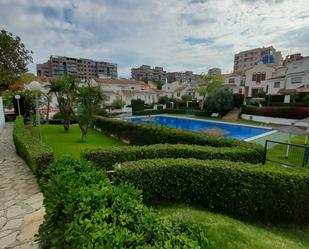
x: 66, y: 125
x: 47, y: 113
x: 84, y: 130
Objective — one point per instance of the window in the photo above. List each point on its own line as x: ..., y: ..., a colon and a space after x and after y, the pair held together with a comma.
x: 254, y: 77
x: 232, y: 80
x: 258, y: 78
x: 277, y: 84
x: 296, y: 80
x: 263, y: 76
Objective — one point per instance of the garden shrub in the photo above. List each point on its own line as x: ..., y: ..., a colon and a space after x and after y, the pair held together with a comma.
x: 219, y: 101
x: 84, y: 210
x: 37, y: 155
x: 137, y: 105
x: 106, y: 158
x: 146, y: 134
x: 293, y: 112
x: 240, y: 189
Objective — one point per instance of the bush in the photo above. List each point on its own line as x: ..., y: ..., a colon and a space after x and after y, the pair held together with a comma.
x: 292, y: 112
x: 145, y: 134
x: 243, y: 190
x: 137, y: 105
x: 149, y: 112
x: 84, y: 210
x: 37, y: 155
x: 220, y: 101
x: 118, y: 104
x: 238, y: 100
x: 106, y: 158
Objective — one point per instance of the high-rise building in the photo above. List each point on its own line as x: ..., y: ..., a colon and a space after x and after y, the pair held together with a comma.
x: 187, y: 76
x: 248, y: 59
x: 146, y: 72
x: 214, y: 71
x: 59, y: 66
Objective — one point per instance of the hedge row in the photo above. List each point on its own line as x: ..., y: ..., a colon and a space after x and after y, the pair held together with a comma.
x: 37, y: 155
x: 84, y: 210
x: 293, y: 112
x: 243, y: 190
x: 106, y: 158
x: 146, y: 134
x: 170, y: 111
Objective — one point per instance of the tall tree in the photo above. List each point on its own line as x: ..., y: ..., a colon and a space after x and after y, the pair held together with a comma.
x: 14, y: 58
x: 210, y: 83
x: 65, y: 91
x: 88, y: 99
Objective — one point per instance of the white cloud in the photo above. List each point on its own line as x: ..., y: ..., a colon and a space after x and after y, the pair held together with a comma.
x: 156, y: 32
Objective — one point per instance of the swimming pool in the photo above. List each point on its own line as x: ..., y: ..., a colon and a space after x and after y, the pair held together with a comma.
x: 236, y: 131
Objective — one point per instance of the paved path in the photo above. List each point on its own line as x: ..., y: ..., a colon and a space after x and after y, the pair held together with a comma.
x: 21, y: 210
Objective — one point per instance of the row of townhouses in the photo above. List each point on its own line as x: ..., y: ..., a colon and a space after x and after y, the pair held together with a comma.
x: 267, y: 75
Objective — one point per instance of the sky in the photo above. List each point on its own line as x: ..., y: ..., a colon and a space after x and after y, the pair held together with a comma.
x: 176, y: 34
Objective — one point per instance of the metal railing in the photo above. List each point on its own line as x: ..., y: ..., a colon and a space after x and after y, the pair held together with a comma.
x: 287, y: 154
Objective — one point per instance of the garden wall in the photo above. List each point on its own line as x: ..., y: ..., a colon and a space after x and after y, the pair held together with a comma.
x: 271, y: 120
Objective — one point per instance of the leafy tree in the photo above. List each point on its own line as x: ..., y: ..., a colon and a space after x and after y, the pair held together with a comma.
x: 210, y: 83
x: 14, y: 58
x: 186, y: 97
x: 219, y: 101
x: 163, y: 100
x: 65, y: 90
x: 118, y: 104
x: 158, y: 83
x: 88, y: 100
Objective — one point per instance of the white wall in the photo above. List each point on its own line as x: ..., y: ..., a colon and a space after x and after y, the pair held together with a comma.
x: 2, y: 120
x: 271, y: 120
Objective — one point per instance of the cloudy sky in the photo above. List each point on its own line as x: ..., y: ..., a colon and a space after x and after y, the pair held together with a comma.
x: 176, y: 34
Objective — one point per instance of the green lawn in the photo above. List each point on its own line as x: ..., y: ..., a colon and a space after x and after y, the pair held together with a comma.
x: 70, y: 143
x: 229, y: 233
x: 296, y: 154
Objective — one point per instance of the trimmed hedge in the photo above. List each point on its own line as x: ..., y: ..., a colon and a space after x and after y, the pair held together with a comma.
x: 146, y: 134
x: 106, y: 158
x: 293, y: 112
x: 243, y: 190
x: 171, y: 111
x: 36, y: 155
x: 84, y: 210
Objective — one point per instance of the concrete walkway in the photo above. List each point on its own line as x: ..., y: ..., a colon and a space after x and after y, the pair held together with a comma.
x: 21, y: 209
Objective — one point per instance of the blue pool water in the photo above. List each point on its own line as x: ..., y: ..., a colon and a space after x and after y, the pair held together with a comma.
x: 240, y: 132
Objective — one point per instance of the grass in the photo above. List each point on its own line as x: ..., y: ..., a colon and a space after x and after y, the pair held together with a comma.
x: 296, y: 154
x: 70, y: 143
x: 229, y: 233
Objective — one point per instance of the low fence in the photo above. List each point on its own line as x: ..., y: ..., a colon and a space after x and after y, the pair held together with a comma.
x: 294, y: 155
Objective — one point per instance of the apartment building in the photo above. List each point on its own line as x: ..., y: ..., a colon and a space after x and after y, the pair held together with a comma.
x: 59, y: 66
x: 187, y: 76
x: 248, y: 59
x: 235, y: 82
x: 214, y: 71
x: 146, y: 72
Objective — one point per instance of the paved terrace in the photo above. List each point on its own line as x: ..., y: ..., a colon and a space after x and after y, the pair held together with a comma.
x: 21, y: 210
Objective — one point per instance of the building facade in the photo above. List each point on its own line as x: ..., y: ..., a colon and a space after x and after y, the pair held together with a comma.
x: 256, y: 79
x: 59, y: 66
x: 146, y: 72
x: 214, y: 71
x: 248, y: 59
x: 187, y: 76
x: 235, y: 82
x: 126, y: 90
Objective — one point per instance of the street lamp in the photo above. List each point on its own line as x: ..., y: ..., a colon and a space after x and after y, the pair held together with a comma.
x: 17, y: 97
x: 36, y: 87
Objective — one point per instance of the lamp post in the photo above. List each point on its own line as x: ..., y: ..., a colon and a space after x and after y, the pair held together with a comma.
x: 36, y: 87
x: 17, y: 97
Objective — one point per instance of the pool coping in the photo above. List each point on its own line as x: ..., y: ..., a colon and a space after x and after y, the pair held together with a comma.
x: 271, y: 130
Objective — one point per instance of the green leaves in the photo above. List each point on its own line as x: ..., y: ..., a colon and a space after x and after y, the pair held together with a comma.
x: 241, y: 189
x: 36, y: 155
x: 107, y: 158
x: 85, y: 210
